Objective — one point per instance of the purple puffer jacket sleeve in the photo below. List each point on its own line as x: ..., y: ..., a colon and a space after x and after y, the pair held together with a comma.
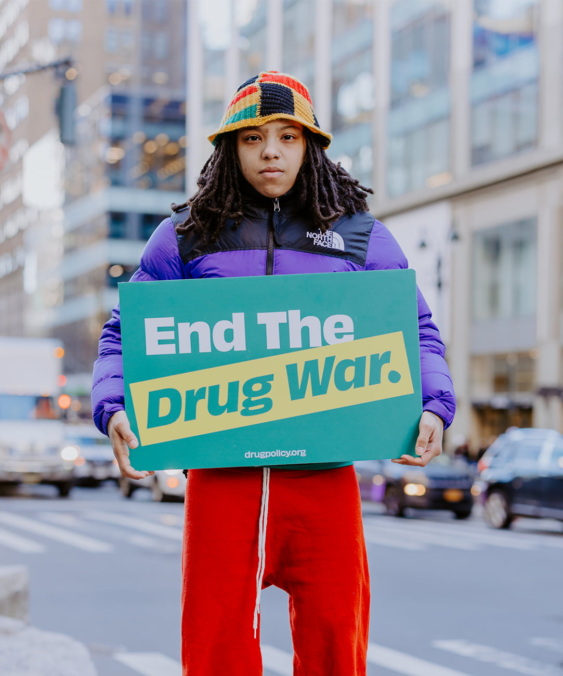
x: 160, y: 260
x: 437, y: 389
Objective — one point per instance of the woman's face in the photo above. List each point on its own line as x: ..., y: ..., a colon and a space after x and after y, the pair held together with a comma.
x: 271, y: 155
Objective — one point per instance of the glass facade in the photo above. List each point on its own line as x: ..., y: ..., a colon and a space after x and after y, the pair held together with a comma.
x: 298, y: 54
x: 146, y: 142
x: 214, y: 22
x: 252, y: 40
x: 504, y: 80
x: 352, y: 87
x: 504, y: 271
x: 418, y: 117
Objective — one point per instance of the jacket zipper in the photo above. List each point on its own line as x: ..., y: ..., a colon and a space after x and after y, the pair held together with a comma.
x: 270, y: 256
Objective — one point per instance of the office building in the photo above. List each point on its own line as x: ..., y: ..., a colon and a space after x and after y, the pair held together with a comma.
x: 449, y: 109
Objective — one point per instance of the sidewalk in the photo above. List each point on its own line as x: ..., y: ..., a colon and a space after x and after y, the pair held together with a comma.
x: 27, y: 651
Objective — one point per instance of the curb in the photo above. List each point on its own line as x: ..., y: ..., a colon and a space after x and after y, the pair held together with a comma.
x: 14, y: 592
x: 27, y: 651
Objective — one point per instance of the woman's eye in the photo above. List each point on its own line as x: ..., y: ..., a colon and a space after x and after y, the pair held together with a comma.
x: 252, y: 137
x: 288, y: 137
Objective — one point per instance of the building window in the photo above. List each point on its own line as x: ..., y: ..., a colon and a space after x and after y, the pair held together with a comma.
x: 74, y: 30
x: 127, y: 39
x: 149, y: 223
x: 56, y: 30
x: 253, y: 40
x: 112, y: 40
x: 117, y: 225
x: 117, y: 273
x: 298, y: 37
x: 160, y: 45
x: 503, y: 87
x: 504, y: 271
x: 418, y: 120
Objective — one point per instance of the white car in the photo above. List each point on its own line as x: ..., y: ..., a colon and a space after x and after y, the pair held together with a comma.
x: 165, y: 484
x: 91, y: 453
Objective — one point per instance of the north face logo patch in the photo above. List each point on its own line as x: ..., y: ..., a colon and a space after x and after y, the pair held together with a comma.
x: 328, y: 239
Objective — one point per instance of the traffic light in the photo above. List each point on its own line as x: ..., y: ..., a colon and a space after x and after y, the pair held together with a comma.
x: 65, y: 107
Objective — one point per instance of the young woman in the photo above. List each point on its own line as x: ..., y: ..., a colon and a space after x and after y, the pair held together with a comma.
x: 269, y: 201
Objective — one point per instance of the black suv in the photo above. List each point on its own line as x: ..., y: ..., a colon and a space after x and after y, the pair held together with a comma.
x: 524, y: 477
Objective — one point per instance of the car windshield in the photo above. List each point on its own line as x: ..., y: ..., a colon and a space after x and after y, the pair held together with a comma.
x: 88, y: 441
x: 556, y: 461
x: 26, y: 407
x: 526, y: 453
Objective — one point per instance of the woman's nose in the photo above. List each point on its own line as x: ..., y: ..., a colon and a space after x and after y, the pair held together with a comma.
x: 270, y: 150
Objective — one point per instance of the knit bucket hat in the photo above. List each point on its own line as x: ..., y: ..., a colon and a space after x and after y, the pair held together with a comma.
x: 270, y: 96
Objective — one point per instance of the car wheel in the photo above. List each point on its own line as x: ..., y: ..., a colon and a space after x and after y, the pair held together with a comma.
x: 64, y: 489
x: 497, y: 511
x: 158, y: 494
x: 126, y: 487
x: 393, y: 503
x: 462, y: 514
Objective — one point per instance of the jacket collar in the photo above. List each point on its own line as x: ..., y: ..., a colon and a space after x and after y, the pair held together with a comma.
x: 254, y: 201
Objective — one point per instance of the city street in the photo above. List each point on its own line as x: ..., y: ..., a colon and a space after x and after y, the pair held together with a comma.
x: 449, y: 598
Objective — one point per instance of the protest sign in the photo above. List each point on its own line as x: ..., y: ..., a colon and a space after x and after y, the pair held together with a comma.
x: 275, y: 370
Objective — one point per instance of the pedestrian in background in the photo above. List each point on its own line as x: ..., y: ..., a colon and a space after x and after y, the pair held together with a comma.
x: 270, y: 201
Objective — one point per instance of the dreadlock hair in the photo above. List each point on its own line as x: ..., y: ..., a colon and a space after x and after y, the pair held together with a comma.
x: 325, y: 189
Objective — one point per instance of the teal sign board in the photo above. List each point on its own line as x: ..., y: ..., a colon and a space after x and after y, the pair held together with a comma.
x: 278, y: 370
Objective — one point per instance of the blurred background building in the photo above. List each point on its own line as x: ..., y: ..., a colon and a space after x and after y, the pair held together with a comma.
x: 74, y: 218
x: 449, y: 109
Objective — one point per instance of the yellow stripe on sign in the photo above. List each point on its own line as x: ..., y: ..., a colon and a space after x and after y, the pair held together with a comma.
x: 271, y: 388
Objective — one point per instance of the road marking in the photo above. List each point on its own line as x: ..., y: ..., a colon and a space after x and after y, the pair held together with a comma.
x: 276, y: 660
x: 54, y: 533
x: 462, y: 533
x: 548, y: 538
x: 406, y: 664
x: 19, y: 544
x: 136, y: 524
x: 426, y: 537
x: 150, y: 664
x: 143, y: 541
x: 550, y: 643
x: 377, y: 539
x: 146, y: 542
x: 499, y: 658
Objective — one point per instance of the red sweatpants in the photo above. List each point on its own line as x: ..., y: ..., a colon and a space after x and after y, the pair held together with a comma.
x: 315, y: 551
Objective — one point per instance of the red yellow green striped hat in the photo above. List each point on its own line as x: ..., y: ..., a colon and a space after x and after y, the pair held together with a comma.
x: 270, y: 96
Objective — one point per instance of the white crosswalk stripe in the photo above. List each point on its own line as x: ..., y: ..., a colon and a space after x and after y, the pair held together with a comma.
x: 54, y: 533
x: 281, y: 662
x: 454, y: 536
x: 277, y: 661
x: 408, y: 665
x: 422, y: 537
x: 500, y: 658
x: 18, y: 543
x: 136, y: 524
x: 93, y: 530
x: 375, y: 538
x: 150, y: 664
x: 111, y: 531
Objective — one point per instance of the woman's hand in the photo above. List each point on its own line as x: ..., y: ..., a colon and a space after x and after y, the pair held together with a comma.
x: 122, y: 439
x: 429, y: 442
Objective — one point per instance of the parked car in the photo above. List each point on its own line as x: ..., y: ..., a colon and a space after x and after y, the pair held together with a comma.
x: 91, y: 453
x: 371, y: 479
x: 165, y: 485
x: 524, y: 477
x: 445, y: 483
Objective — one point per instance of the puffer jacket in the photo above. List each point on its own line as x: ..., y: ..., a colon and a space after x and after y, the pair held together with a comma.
x: 273, y: 238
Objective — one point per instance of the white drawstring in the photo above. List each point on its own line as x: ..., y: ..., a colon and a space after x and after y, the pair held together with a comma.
x: 261, y: 543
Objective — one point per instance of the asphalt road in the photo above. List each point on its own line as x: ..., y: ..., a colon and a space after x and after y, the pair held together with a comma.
x: 449, y: 598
